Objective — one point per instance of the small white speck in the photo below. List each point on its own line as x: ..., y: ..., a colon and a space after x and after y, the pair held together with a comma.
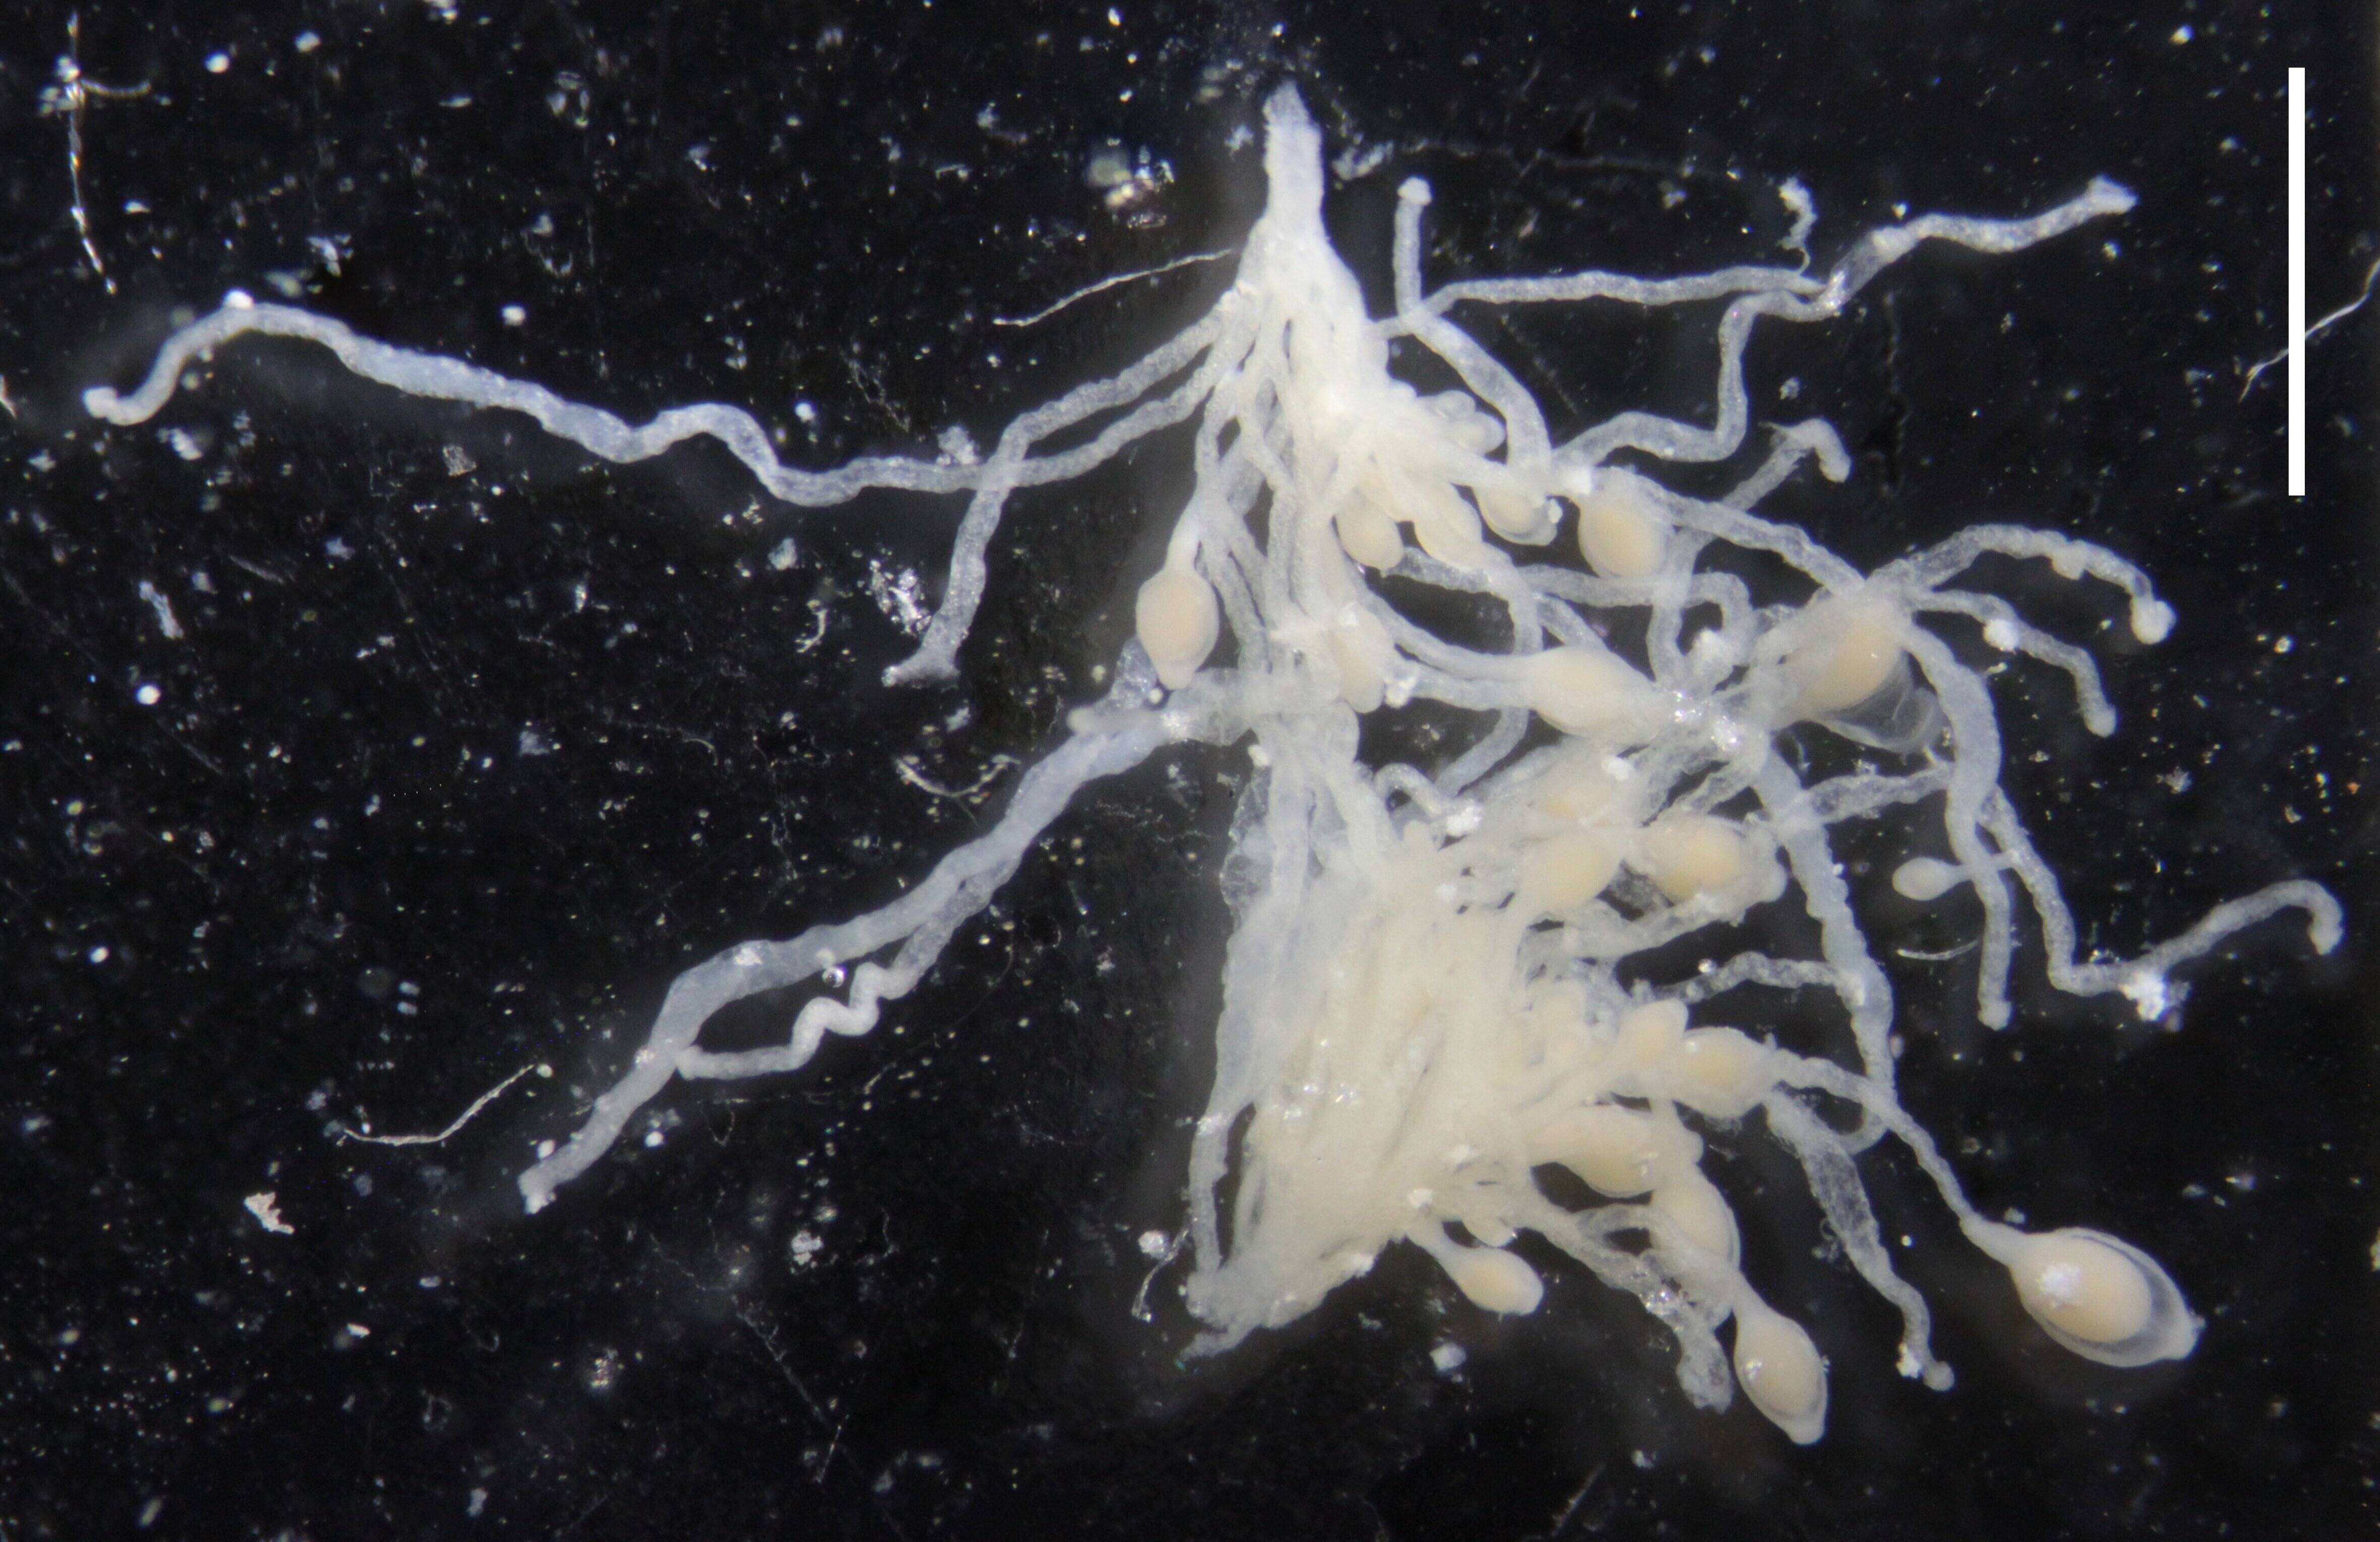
x: 901, y: 595
x: 167, y: 622
x: 2146, y: 991
x: 217, y: 63
x: 268, y: 1214
x: 807, y: 412
x: 98, y: 954
x: 147, y: 694
x: 1448, y: 1357
x: 784, y: 556
x: 2181, y: 34
x: 306, y: 43
x: 515, y: 315
x: 2283, y: 645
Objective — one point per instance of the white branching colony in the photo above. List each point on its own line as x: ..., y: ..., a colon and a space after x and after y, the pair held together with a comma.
x: 1427, y: 995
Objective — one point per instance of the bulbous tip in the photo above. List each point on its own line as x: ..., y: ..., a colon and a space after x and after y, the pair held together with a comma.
x: 1284, y: 108
x: 1293, y: 156
x: 2112, y: 197
x: 1779, y: 1369
x: 2101, y: 1297
x: 1497, y: 1280
x: 1177, y: 623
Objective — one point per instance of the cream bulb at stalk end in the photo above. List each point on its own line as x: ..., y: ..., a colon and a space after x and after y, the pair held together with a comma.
x: 1593, y: 694
x: 1780, y: 1371
x: 2101, y: 1297
x: 1178, y: 623
x: 1623, y: 531
x: 1497, y: 1280
x: 1845, y: 649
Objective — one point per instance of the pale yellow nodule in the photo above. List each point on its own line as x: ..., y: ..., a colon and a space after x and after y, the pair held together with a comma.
x: 1178, y: 623
x: 2082, y: 1287
x: 1621, y: 529
x: 1778, y: 1368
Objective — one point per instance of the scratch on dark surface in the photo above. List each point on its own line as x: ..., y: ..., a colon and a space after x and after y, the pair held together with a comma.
x: 1551, y: 381
x: 1024, y: 1311
x: 834, y: 1431
x: 256, y: 570
x: 422, y: 640
x: 98, y: 669
x: 586, y: 1514
x: 769, y: 1345
x: 1570, y: 1510
x: 661, y: 730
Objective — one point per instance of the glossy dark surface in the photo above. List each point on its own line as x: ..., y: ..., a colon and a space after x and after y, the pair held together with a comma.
x: 467, y: 748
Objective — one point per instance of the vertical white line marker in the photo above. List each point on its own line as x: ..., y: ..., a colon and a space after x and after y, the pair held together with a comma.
x: 2297, y: 318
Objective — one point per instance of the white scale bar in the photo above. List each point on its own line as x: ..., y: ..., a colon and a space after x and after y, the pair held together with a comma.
x: 2297, y: 318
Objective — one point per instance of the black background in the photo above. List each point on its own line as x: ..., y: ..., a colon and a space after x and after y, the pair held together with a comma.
x: 324, y: 876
